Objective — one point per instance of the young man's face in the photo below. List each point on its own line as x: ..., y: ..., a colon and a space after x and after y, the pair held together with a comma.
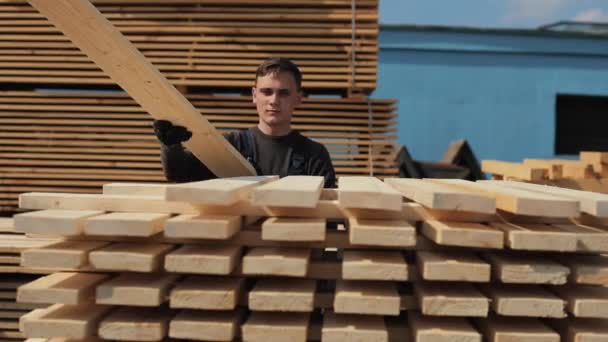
x: 276, y: 96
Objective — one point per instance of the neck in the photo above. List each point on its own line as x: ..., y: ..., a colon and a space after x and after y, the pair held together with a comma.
x: 274, y: 130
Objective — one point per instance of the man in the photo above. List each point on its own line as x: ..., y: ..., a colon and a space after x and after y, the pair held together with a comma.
x: 272, y: 147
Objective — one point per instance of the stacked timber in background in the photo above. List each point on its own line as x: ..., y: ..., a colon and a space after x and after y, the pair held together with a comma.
x: 459, y: 261
x: 208, y: 43
x: 61, y: 142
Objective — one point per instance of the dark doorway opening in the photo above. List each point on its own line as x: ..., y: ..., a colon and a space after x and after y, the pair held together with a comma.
x: 581, y: 124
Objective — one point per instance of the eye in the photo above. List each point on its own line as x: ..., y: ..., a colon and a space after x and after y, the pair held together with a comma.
x: 266, y: 91
x: 284, y: 92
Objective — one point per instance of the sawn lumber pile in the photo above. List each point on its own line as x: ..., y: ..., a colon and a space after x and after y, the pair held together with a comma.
x: 262, y: 259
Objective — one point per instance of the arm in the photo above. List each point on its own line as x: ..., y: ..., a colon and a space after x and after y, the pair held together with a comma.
x: 180, y: 165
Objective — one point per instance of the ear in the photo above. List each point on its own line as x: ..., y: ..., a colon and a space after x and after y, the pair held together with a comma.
x: 253, y: 92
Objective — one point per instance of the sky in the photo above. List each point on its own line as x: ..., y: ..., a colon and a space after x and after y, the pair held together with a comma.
x: 491, y: 13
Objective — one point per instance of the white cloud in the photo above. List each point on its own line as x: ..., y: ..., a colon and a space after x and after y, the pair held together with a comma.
x: 533, y: 9
x: 593, y: 14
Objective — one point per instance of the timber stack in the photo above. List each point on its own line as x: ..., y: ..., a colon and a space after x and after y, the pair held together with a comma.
x: 263, y: 259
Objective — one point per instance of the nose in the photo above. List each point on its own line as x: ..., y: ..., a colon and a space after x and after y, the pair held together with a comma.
x: 274, y: 98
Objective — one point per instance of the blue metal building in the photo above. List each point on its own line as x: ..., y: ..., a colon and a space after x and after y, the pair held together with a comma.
x: 512, y: 94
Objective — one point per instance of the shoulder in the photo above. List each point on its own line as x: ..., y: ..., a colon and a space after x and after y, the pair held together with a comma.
x: 311, y: 147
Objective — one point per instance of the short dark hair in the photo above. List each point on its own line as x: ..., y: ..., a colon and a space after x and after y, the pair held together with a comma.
x: 277, y: 65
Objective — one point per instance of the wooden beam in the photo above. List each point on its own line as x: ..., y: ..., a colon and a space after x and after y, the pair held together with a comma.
x: 132, y: 289
x: 290, y: 191
x: 213, y: 325
x: 528, y: 301
x: 526, y: 269
x: 54, y: 222
x: 69, y: 321
x: 585, y: 301
x: 463, y: 234
x: 61, y: 255
x: 372, y: 298
x: 285, y: 295
x: 513, y: 170
x: 112, y: 52
x: 133, y: 324
x: 587, y: 270
x: 447, y: 299
x: 275, y: 326
x: 374, y: 265
x: 290, y: 262
x: 203, y: 259
x: 367, y: 193
x: 214, y: 227
x: 501, y: 329
x: 207, y: 293
x: 293, y: 229
x: 126, y: 224
x: 450, y: 266
x: 132, y: 257
x: 221, y: 191
x: 378, y: 232
x: 537, y: 237
x: 442, y: 329
x: 61, y: 288
x: 337, y: 328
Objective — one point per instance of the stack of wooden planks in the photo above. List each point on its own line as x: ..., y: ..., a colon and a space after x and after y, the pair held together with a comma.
x: 62, y: 142
x: 206, y: 43
x: 12, y: 276
x: 590, y: 165
x: 255, y: 258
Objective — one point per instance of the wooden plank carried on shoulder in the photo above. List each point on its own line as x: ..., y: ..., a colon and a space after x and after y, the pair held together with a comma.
x: 450, y: 266
x: 115, y: 54
x: 441, y: 196
x: 519, y: 201
x: 133, y: 289
x: 290, y: 191
x: 135, y: 324
x: 367, y: 193
x: 207, y: 293
x: 61, y: 288
x: 220, y: 191
x: 70, y: 321
x: 54, y: 221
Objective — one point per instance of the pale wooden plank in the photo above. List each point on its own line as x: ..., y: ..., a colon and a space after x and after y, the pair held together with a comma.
x: 592, y: 203
x: 374, y: 265
x: 293, y: 229
x: 520, y: 269
x: 135, y: 189
x: 285, y: 295
x: 463, y: 234
x: 367, y: 193
x: 290, y: 191
x: 585, y: 301
x: 272, y: 326
x: 54, y: 221
x: 289, y: 262
x: 452, y: 266
x: 448, y: 299
x: 514, y: 170
x: 70, y: 321
x: 442, y: 329
x: 7, y: 225
x: 577, y: 330
x: 206, y: 293
x: 441, y: 196
x: 373, y: 298
x: 587, y: 270
x: 114, y: 54
x: 61, y: 255
x: 135, y: 324
x: 337, y: 328
x: 61, y: 288
x: 221, y: 191
x: 213, y: 326
x: 133, y: 257
x: 502, y: 329
x: 135, y: 289
x: 126, y: 224
x: 521, y: 202
x: 203, y: 259
x: 527, y: 301
x: 220, y: 227
x: 589, y: 239
x: 386, y: 233
x: 537, y: 237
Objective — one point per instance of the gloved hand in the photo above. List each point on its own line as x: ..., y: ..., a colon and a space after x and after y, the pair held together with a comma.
x: 169, y: 134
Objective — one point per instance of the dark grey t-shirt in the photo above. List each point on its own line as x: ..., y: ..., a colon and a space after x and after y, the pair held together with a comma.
x: 292, y: 154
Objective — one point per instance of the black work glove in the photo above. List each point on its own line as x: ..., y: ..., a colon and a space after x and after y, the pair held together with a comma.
x: 169, y: 134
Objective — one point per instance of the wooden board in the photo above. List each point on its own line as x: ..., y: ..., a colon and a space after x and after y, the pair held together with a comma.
x: 374, y: 265
x: 446, y: 299
x: 537, y: 237
x: 377, y: 232
x: 113, y: 53
x: 516, y: 269
x: 514, y: 170
x: 377, y: 298
x: 585, y: 301
x: 54, y: 222
x: 501, y: 329
x: 221, y: 191
x: 293, y: 229
x: 288, y: 262
x: 70, y: 321
x: 126, y: 224
x: 587, y: 270
x: 220, y: 227
x: 61, y: 288
x: 61, y: 255
x: 132, y: 324
x: 284, y: 295
x: 367, y: 193
x: 442, y: 197
x: 132, y: 257
x: 446, y: 266
x: 290, y: 191
x: 206, y: 293
x: 529, y: 301
x: 203, y: 259
x: 132, y: 289
x: 135, y: 189
x: 338, y: 328
x: 273, y: 326
x: 463, y: 234
x: 442, y: 329
x: 213, y: 325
